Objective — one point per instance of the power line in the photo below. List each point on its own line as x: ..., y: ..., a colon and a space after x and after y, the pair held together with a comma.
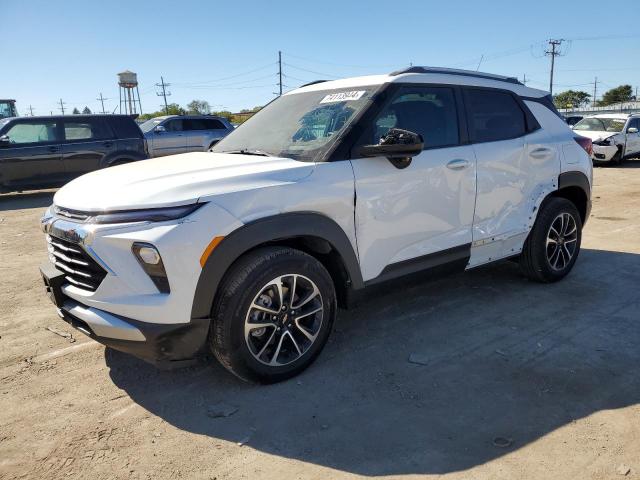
x: 220, y: 79
x: 164, y: 93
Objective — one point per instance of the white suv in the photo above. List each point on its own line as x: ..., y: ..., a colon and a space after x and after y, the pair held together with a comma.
x: 615, y: 136
x: 331, y: 188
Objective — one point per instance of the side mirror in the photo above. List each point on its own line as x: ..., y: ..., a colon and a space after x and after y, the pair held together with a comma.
x: 632, y: 130
x: 4, y: 141
x: 398, y: 145
x: 160, y: 129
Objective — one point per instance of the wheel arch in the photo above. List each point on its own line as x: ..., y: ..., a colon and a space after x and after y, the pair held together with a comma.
x: 312, y: 233
x: 575, y: 187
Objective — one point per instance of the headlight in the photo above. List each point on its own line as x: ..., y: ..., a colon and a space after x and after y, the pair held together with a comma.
x: 130, y: 216
x: 604, y: 143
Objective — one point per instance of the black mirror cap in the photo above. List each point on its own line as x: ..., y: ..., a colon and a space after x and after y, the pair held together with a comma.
x: 4, y: 141
x: 398, y: 145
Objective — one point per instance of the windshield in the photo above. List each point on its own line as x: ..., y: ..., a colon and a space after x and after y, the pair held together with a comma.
x: 600, y: 125
x: 302, y: 126
x: 150, y: 124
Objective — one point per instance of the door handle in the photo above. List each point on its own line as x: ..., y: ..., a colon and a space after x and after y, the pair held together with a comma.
x: 458, y: 164
x: 107, y: 144
x: 540, y: 152
x: 54, y: 149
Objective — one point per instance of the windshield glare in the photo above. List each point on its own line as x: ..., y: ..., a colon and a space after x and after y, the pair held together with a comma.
x: 149, y: 125
x: 600, y: 125
x: 302, y: 126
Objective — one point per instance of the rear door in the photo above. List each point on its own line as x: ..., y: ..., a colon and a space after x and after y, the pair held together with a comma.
x: 33, y: 156
x: 196, y: 133
x: 86, y: 142
x: 516, y: 165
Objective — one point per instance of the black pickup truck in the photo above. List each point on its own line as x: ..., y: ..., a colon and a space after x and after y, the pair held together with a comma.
x: 37, y: 152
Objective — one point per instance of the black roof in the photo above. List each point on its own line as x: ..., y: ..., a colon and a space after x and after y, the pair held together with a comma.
x: 71, y: 116
x: 455, y: 71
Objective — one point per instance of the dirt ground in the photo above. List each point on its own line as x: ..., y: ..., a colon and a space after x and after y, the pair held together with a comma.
x: 553, y: 369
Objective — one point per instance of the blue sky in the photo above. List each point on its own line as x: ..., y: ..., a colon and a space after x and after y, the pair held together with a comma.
x: 226, y: 52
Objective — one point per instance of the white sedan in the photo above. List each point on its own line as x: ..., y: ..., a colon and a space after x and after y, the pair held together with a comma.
x: 614, y: 136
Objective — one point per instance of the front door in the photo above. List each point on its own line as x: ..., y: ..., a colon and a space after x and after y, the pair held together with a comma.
x: 419, y: 216
x: 633, y: 139
x: 33, y: 155
x: 172, y: 140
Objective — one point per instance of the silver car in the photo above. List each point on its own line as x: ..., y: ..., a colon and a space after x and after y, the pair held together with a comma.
x: 173, y: 134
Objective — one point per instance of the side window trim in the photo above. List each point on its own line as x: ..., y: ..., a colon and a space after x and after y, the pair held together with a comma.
x: 531, y: 124
x: 391, y: 93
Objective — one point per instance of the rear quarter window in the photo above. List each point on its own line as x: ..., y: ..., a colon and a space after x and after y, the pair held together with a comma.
x: 124, y: 127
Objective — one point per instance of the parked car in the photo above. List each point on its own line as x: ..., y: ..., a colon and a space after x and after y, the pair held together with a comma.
x: 330, y: 189
x: 184, y: 133
x: 38, y: 152
x: 615, y: 136
x: 573, y: 119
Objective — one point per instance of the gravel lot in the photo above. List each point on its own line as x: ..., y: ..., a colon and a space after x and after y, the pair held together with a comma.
x: 553, y: 369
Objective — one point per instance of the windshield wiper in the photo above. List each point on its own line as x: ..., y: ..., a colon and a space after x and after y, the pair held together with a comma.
x: 258, y: 153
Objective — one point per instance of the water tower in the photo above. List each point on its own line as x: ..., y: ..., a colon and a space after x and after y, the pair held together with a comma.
x: 129, y: 94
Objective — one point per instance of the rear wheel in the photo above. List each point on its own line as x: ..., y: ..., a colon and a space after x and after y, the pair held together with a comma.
x: 553, y: 244
x: 273, y: 314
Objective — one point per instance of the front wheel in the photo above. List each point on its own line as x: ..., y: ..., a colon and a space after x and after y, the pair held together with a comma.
x: 553, y: 244
x: 273, y: 314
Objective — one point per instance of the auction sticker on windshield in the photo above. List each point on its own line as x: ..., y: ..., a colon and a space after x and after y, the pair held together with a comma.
x: 343, y: 96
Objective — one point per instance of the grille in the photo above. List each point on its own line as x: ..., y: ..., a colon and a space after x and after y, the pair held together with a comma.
x: 70, y: 214
x: 79, y: 268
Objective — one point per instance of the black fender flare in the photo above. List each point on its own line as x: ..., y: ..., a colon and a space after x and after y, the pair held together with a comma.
x: 265, y: 230
x: 579, y: 180
x: 575, y: 179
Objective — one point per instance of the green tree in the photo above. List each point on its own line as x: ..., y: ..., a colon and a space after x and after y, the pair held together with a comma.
x: 198, y: 107
x: 173, y: 109
x: 76, y: 111
x: 571, y: 99
x: 86, y: 111
x: 623, y: 93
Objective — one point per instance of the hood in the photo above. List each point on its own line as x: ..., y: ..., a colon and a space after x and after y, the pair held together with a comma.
x: 176, y: 180
x: 594, y: 135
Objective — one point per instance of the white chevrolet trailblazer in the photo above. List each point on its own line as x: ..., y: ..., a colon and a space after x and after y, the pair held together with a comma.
x: 615, y: 136
x: 248, y: 250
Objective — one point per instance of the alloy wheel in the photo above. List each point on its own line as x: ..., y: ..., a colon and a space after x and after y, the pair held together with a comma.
x: 562, y: 239
x: 284, y: 320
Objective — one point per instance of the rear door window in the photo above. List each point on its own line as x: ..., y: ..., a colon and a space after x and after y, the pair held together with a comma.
x: 85, y: 130
x: 493, y: 116
x: 194, y: 124
x: 42, y: 131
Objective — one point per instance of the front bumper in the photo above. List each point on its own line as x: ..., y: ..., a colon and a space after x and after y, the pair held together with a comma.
x: 604, y: 153
x: 164, y: 345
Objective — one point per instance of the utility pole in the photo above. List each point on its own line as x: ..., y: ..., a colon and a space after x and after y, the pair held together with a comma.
x: 553, y: 53
x: 102, y: 99
x: 62, y: 106
x: 31, y: 110
x: 595, y: 91
x: 164, y: 94
x: 524, y: 79
x: 280, y: 71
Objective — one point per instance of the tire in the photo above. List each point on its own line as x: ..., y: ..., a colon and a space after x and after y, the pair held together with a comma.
x: 280, y: 349
x: 539, y: 260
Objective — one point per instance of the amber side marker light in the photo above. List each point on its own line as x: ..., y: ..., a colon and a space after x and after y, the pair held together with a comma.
x: 207, y: 251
